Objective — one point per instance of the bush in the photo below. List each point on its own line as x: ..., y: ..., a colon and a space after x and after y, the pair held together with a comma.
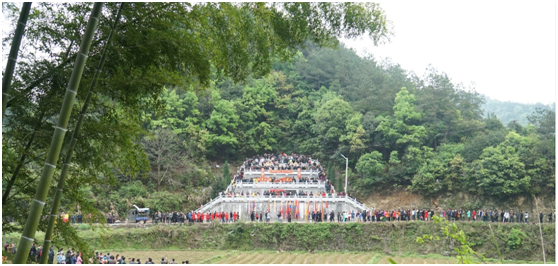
x: 515, y: 239
x: 83, y: 227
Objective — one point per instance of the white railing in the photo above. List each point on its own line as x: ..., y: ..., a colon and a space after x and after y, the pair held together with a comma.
x: 358, y: 204
x: 211, y: 202
x: 318, y: 184
x: 267, y: 198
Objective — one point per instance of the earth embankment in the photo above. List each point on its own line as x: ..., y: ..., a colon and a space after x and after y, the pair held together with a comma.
x: 388, y: 238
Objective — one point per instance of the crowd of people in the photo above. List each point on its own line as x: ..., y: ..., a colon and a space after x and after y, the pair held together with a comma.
x: 35, y: 253
x: 99, y: 258
x: 284, y: 193
x: 176, y: 217
x: 70, y: 256
x: 503, y: 216
x: 280, y: 161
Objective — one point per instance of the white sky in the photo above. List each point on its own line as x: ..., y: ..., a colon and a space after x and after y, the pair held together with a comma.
x: 507, y: 48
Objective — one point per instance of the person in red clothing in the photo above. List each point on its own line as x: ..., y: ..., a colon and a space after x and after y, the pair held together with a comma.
x: 474, y: 215
x: 235, y: 216
x: 212, y: 216
x: 426, y: 216
x: 226, y: 216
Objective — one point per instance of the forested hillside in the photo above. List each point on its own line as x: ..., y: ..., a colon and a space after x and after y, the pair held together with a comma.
x: 508, y: 112
x: 398, y: 130
x: 153, y: 137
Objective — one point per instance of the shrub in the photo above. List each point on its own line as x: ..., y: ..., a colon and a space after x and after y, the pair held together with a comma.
x: 515, y: 239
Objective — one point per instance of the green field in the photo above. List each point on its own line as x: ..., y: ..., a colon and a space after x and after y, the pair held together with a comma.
x: 323, y: 243
x: 274, y: 257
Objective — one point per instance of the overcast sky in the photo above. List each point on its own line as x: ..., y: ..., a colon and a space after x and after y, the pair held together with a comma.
x: 507, y: 48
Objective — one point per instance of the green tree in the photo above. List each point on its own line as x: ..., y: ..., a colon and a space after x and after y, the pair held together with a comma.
x: 221, y: 125
x: 440, y: 173
x: 180, y: 110
x: 402, y: 130
x: 500, y: 172
x: 353, y: 140
x: 370, y: 167
x: 441, y: 119
x: 58, y: 137
x: 166, y: 156
x: 331, y: 120
x: 545, y: 122
x: 256, y: 111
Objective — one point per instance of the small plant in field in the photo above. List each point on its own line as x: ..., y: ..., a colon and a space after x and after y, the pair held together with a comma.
x: 515, y: 239
x: 465, y: 253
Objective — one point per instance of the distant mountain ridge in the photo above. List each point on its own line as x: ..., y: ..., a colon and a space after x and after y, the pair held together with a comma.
x: 509, y: 111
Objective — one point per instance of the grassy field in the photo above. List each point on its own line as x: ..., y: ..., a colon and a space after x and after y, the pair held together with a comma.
x: 270, y: 257
x: 323, y: 243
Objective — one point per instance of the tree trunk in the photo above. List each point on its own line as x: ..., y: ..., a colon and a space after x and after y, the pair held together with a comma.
x: 38, y: 202
x: 73, y: 141
x: 12, y: 58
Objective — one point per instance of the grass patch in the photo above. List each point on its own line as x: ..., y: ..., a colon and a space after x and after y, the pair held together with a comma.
x: 375, y: 259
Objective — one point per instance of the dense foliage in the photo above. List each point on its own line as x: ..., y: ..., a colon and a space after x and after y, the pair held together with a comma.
x: 189, y: 86
x: 126, y: 136
x: 429, y: 137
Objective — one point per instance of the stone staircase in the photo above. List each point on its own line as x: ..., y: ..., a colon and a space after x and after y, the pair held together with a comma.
x: 244, y: 196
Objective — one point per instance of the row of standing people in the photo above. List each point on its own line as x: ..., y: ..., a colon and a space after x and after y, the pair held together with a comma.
x: 194, y: 217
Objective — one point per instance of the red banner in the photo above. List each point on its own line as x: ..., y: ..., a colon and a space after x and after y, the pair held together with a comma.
x: 284, y: 179
x: 279, y: 171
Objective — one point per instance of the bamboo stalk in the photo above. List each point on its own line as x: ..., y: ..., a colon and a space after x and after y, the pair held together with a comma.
x: 540, y: 230
x: 38, y: 202
x: 73, y: 141
x: 12, y: 57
